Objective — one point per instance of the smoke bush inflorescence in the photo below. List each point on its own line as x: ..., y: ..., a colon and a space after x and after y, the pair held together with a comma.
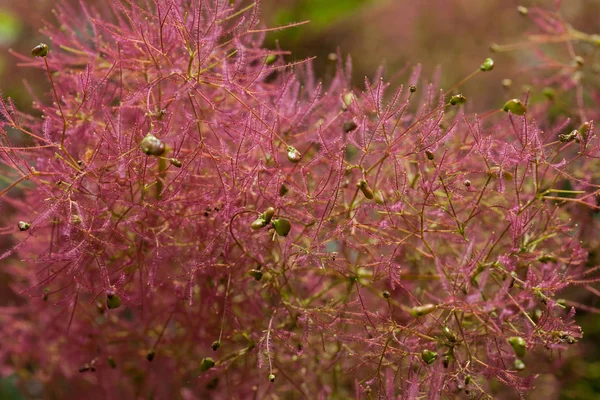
x: 195, y: 218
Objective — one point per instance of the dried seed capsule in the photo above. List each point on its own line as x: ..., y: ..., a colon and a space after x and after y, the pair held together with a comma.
x: 293, y: 155
x: 23, y: 226
x: 282, y: 226
x: 519, y: 365
x: 518, y: 344
x: 487, y: 65
x: 175, y: 162
x: 206, y: 364
x: 268, y: 214
x: 420, y: 311
x: 515, y: 106
x: 350, y: 126
x: 467, y: 183
x: 412, y: 88
x: 258, y: 223
x: 150, y: 355
x: 271, y: 58
x: 256, y: 274
x: 216, y: 345
x: 364, y: 187
x: 152, y: 146
x: 429, y: 356
x: 457, y: 99
x: 272, y: 378
x: 41, y: 50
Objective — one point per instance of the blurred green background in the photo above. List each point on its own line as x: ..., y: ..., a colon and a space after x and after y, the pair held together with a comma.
x: 396, y: 34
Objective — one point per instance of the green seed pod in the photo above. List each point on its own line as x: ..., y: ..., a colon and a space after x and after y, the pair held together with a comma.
x: 487, y: 65
x: 386, y: 294
x: 175, y: 162
x: 412, y: 88
x: 206, y: 364
x: 523, y: 10
x: 270, y: 59
x: 420, y: 311
x: 364, y: 187
x: 113, y: 301
x: 282, y: 226
x: 429, y: 155
x: 23, y: 226
x: 519, y: 365
x: 152, y: 146
x: 272, y: 378
x: 515, y: 106
x: 429, y: 356
x: 41, y: 50
x: 111, y: 362
x: 350, y: 126
x: 449, y: 334
x: 458, y: 99
x: 256, y: 274
x: 567, y: 137
x: 518, y: 344
x: 258, y: 223
x: 268, y: 214
x: 293, y: 155
x: 216, y: 345
x: 283, y: 190
x: 150, y: 355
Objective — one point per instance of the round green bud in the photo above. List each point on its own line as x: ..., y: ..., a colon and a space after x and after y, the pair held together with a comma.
x: 258, y: 223
x: 449, y: 334
x: 268, y: 214
x: 515, y: 106
x: 256, y: 274
x: 293, y: 155
x: 216, y: 345
x: 272, y: 378
x: 519, y: 365
x: 457, y: 100
x: 152, y: 146
x: 206, y: 364
x: 350, y: 126
x: 518, y: 344
x: 282, y: 226
x: 113, y: 301
x: 420, y: 311
x: 23, y: 226
x: 487, y: 65
x: 41, y: 50
x: 270, y: 59
x: 429, y: 356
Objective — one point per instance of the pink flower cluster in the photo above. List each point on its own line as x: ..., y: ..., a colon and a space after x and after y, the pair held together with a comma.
x: 194, y: 217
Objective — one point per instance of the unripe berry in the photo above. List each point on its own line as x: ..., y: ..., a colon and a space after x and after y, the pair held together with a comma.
x: 515, y: 106
x: 429, y: 356
x: 282, y: 226
x: 518, y: 344
x: 487, y: 65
